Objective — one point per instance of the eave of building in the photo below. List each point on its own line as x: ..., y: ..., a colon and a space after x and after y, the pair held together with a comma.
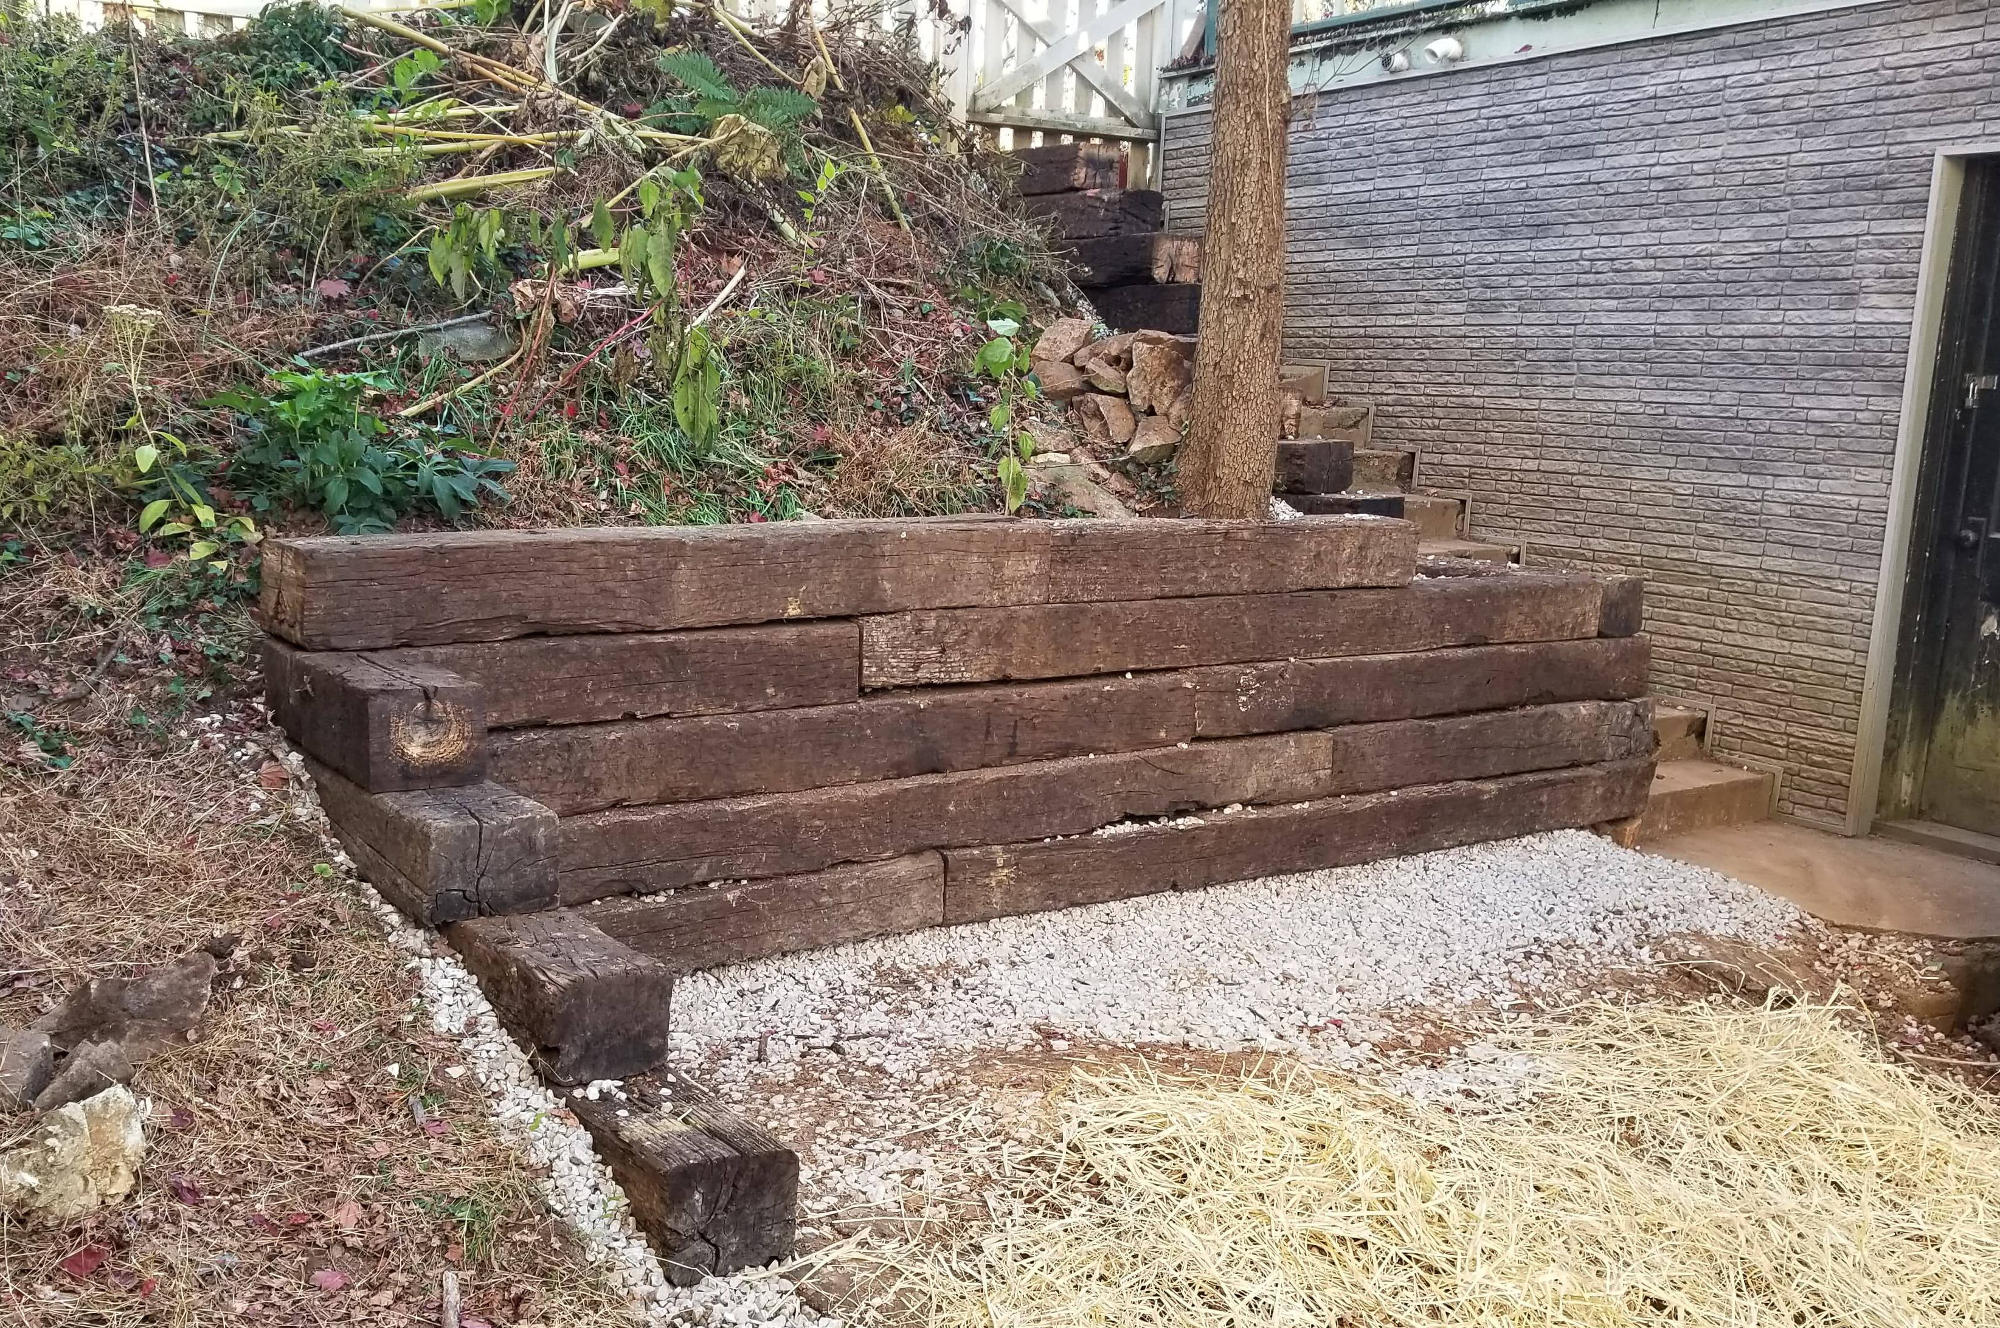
x: 1358, y: 50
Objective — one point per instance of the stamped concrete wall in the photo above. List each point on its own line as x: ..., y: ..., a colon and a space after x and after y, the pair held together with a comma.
x: 1648, y: 307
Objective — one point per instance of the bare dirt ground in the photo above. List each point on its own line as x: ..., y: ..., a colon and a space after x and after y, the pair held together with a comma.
x: 314, y: 1158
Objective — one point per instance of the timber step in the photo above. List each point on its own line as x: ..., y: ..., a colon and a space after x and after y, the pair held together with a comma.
x: 1472, y: 549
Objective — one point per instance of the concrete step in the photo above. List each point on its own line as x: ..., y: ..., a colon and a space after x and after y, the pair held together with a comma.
x: 1436, y: 518
x: 1477, y: 550
x: 1379, y: 468
x: 1681, y: 733
x: 1694, y: 793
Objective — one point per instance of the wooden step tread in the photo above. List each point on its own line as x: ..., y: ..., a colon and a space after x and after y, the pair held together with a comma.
x: 1477, y: 550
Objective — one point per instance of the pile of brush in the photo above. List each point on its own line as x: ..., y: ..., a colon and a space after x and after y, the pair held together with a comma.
x: 653, y: 262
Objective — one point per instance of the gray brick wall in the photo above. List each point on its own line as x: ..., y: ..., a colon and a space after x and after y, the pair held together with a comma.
x: 1648, y: 306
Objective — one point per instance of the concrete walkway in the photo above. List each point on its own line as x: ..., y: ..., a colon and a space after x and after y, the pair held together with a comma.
x: 1874, y: 884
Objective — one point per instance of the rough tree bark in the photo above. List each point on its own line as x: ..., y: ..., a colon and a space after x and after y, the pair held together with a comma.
x: 1234, y: 424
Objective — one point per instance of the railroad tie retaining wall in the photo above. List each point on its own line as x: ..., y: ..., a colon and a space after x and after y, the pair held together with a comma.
x: 601, y: 758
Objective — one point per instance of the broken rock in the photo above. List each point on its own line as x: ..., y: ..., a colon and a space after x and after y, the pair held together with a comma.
x: 1106, y: 378
x: 90, y: 1069
x: 27, y: 1063
x: 1065, y: 337
x: 141, y: 1013
x: 1060, y: 380
x: 77, y: 1159
x: 1115, y: 351
x: 1162, y: 368
x: 1154, y: 441
x: 1118, y: 421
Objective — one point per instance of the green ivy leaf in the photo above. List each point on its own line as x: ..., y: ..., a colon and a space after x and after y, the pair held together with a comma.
x: 144, y: 455
x: 152, y: 512
x: 1013, y: 483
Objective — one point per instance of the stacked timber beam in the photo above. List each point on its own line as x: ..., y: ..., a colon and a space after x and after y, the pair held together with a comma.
x: 599, y: 759
x: 1136, y: 274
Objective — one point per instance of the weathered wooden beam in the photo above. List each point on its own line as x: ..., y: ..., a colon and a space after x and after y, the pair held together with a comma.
x: 590, y: 1006
x: 643, y: 849
x: 1233, y: 700
x: 1090, y: 213
x: 1057, y: 640
x: 639, y: 850
x: 1034, y: 877
x: 1056, y: 168
x: 444, y: 855
x: 715, y: 1192
x: 735, y: 921
x: 889, y: 735
x: 721, y: 670
x: 1313, y: 465
x: 343, y: 593
x: 1121, y: 260
x: 388, y: 726
x: 1172, y: 308
x: 1624, y: 612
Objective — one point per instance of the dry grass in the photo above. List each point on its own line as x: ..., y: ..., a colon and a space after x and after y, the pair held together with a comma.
x: 77, y: 385
x: 284, y: 1142
x: 1685, y: 1165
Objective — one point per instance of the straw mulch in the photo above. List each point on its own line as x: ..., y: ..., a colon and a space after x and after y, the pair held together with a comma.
x: 1690, y: 1166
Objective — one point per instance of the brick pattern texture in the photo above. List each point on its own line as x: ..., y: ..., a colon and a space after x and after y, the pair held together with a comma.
x: 1648, y: 307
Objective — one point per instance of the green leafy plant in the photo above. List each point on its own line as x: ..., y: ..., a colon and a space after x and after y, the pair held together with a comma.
x: 470, y: 243
x: 830, y: 172
x: 1004, y: 359
x: 313, y: 445
x: 779, y: 109
x: 49, y: 746
x: 178, y: 500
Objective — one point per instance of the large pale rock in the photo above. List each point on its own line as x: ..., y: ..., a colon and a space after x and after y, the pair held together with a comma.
x: 1079, y: 484
x: 1154, y: 441
x: 1162, y: 368
x: 77, y: 1159
x: 1064, y: 338
x: 1060, y: 380
x: 472, y: 342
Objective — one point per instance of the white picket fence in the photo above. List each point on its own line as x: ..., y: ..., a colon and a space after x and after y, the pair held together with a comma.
x: 1033, y: 69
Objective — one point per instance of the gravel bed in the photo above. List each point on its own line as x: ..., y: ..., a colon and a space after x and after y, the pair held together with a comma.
x: 1285, y: 964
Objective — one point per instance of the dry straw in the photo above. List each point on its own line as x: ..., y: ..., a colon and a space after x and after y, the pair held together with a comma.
x: 1690, y: 1166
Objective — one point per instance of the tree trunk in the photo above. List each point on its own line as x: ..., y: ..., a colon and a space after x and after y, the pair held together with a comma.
x: 1233, y: 429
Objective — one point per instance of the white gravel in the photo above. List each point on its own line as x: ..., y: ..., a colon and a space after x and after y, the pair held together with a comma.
x: 1283, y: 964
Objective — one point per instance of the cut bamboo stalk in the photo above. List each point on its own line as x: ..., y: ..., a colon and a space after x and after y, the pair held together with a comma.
x: 478, y: 184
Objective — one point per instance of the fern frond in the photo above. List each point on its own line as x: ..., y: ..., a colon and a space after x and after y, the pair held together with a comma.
x: 778, y: 109
x: 699, y: 73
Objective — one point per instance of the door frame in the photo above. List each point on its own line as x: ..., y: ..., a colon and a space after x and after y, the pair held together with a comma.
x: 1892, y: 585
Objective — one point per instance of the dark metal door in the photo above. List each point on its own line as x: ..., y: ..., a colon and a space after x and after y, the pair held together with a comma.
x: 1961, y: 784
